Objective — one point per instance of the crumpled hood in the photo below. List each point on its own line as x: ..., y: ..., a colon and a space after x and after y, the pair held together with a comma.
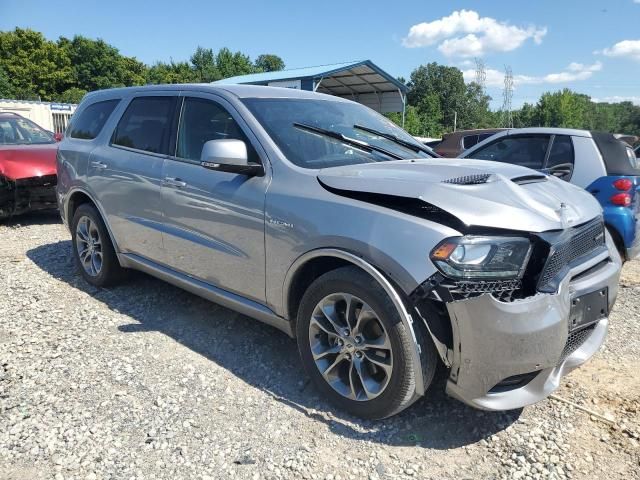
x: 499, y: 203
x: 26, y: 161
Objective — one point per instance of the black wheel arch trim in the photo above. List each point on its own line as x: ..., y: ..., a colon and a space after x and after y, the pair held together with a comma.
x: 96, y: 204
x: 394, y: 294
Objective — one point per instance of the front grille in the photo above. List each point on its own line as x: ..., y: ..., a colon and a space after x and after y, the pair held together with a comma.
x: 34, y: 193
x: 503, y: 290
x: 584, y: 239
x: 575, y: 341
x: 44, y: 181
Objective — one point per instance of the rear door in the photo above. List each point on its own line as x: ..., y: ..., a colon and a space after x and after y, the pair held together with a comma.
x: 126, y: 173
x: 214, y: 220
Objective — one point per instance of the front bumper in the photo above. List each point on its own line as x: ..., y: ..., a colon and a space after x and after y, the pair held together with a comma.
x: 27, y: 194
x: 529, y: 338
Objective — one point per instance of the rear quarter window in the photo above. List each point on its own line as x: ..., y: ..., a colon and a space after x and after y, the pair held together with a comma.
x: 91, y: 120
x: 469, y: 141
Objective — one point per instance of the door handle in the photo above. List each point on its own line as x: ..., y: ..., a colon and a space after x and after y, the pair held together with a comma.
x: 174, y: 182
x: 99, y: 165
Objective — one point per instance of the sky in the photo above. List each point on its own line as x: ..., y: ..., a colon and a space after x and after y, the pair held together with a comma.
x: 589, y: 46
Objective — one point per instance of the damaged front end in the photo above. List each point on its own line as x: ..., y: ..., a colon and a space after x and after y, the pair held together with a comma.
x: 27, y: 194
x: 509, y: 341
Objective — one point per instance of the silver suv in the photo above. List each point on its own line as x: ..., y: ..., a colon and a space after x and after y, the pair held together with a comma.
x: 320, y: 217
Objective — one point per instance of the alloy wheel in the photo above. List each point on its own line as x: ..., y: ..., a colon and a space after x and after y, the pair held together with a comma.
x: 89, y: 246
x: 350, y: 347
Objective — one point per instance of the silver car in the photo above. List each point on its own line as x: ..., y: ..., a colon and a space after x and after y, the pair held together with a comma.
x: 320, y: 217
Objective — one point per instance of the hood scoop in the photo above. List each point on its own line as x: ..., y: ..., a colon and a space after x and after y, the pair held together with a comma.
x: 524, y: 179
x: 480, y: 178
x: 475, y: 179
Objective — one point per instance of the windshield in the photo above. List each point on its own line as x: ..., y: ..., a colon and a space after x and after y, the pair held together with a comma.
x: 308, y: 132
x: 20, y: 131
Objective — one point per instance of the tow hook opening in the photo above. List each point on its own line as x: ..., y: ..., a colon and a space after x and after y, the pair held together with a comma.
x: 514, y: 382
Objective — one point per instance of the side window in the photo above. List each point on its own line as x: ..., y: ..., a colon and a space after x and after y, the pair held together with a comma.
x: 203, y: 120
x: 525, y: 151
x: 469, y: 141
x: 561, y: 151
x: 91, y: 120
x: 483, y: 136
x: 146, y: 124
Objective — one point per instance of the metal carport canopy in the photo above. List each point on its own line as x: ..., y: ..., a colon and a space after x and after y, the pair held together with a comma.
x: 361, y: 81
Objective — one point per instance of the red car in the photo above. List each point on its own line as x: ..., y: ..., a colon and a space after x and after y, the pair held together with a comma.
x: 27, y: 166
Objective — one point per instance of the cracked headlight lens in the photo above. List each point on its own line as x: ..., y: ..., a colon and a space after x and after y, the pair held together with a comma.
x: 476, y: 257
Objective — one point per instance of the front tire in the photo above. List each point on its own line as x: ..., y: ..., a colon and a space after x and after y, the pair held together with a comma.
x: 354, y: 345
x: 93, y: 251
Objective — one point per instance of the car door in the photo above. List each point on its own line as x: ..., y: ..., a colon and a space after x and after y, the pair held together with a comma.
x: 125, y: 173
x: 214, y: 220
x: 526, y: 150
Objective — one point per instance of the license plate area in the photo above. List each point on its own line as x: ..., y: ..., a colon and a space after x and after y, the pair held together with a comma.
x: 589, y: 308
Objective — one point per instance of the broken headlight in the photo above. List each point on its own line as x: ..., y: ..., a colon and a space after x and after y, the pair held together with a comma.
x: 476, y: 257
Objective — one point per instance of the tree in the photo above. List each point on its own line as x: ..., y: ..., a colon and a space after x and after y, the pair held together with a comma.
x: 98, y: 65
x: 72, y: 95
x: 565, y: 109
x: 204, y: 65
x: 36, y: 67
x: 526, y: 117
x: 172, y: 72
x: 133, y: 72
x: 443, y: 86
x: 269, y: 63
x: 475, y: 111
x: 417, y: 123
x: 231, y: 64
x: 6, y: 89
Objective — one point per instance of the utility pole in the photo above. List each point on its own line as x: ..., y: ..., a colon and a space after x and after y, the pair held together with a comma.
x: 455, y: 120
x: 507, y: 95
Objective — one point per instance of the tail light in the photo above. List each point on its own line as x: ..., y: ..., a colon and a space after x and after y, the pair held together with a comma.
x: 622, y: 199
x: 623, y: 184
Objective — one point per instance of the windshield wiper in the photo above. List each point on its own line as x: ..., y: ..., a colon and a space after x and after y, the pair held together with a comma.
x: 411, y: 146
x: 367, y: 147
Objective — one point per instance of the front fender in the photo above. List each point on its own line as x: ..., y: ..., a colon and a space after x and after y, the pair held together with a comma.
x: 394, y: 295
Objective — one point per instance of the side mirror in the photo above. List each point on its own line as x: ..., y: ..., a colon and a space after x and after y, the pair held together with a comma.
x: 229, y: 155
x: 58, y: 137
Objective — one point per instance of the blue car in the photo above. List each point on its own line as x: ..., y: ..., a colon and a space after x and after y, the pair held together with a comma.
x: 603, y: 165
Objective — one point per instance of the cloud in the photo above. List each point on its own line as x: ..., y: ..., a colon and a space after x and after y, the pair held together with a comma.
x: 619, y: 98
x: 625, y: 48
x: 574, y: 72
x: 465, y: 33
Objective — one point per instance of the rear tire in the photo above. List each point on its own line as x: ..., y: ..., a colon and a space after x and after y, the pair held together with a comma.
x: 93, y: 251
x: 355, y: 347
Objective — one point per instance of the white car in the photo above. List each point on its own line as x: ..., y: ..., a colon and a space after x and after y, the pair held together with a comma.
x: 598, y: 162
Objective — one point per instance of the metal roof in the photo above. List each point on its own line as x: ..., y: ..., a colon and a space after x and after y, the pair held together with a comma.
x: 340, y: 79
x: 361, y: 81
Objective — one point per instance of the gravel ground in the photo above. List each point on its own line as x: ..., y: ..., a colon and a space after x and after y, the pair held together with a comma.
x: 148, y: 381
